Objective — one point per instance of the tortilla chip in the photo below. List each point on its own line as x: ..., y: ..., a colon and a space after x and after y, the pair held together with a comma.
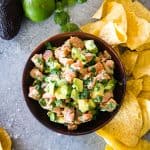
x: 145, y: 107
x: 93, y: 27
x: 138, y: 31
x: 142, y: 66
x: 117, y: 145
x: 140, y: 10
x: 1, y: 146
x: 5, y: 139
x: 129, y: 59
x: 108, y: 147
x: 127, y: 124
x: 117, y: 51
x: 135, y: 86
x: 146, y: 83
x: 145, y: 94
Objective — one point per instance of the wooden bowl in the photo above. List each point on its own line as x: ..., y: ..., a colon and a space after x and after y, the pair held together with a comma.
x: 103, y: 117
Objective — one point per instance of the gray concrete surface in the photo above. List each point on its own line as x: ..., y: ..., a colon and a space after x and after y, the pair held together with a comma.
x: 27, y: 133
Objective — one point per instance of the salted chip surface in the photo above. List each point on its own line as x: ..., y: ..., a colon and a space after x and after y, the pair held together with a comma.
x: 93, y: 27
x: 142, y: 66
x: 138, y: 31
x: 5, y: 139
x: 145, y: 94
x: 146, y: 83
x: 145, y: 107
x: 135, y: 86
x: 127, y: 124
x: 129, y: 59
x: 1, y: 146
x: 140, y: 10
x: 114, y: 144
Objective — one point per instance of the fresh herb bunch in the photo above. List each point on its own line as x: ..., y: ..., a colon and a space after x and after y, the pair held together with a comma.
x: 62, y: 17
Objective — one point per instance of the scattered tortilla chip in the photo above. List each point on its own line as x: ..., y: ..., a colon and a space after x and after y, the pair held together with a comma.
x: 135, y: 86
x: 127, y: 124
x: 108, y: 147
x: 145, y: 107
x: 117, y: 145
x: 129, y: 60
x: 140, y: 10
x: 138, y: 31
x: 142, y: 66
x: 1, y: 146
x: 93, y: 27
x: 111, y: 33
x: 5, y: 139
x: 145, y: 94
x: 146, y: 83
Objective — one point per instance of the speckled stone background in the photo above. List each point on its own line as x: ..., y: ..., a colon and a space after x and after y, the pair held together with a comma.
x: 26, y: 132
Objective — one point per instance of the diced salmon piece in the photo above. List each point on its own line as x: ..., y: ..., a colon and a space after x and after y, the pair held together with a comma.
x: 86, y: 117
x: 88, y: 57
x: 66, y: 61
x: 37, y: 59
x: 72, y: 126
x: 60, y: 53
x: 34, y: 93
x: 107, y: 96
x: 77, y: 42
x: 102, y: 75
x: 99, y: 67
x: 91, y: 84
x: 69, y: 75
x: 58, y: 111
x: 47, y: 55
x: 36, y: 74
x: 109, y: 106
x: 110, y: 64
x: 69, y: 115
x: 77, y: 65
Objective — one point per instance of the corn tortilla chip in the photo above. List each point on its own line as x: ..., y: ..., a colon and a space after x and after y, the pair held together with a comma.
x: 117, y: 145
x: 1, y: 146
x: 142, y: 66
x: 127, y: 124
x: 135, y: 86
x: 140, y: 10
x: 93, y: 27
x: 145, y: 94
x: 5, y: 139
x: 138, y: 31
x: 145, y: 107
x: 129, y: 59
x: 108, y: 147
x: 146, y: 83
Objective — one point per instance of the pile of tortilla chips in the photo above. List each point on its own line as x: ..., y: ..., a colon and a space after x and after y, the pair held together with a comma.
x: 5, y: 141
x: 125, y: 24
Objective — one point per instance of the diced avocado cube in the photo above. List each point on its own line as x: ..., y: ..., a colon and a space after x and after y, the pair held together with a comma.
x: 42, y: 102
x: 110, y: 85
x: 83, y: 105
x: 50, y: 88
x: 91, y: 46
x: 60, y: 120
x: 78, y: 84
x: 76, y: 54
x: 92, y: 104
x: 74, y: 94
x: 61, y: 82
x: 62, y: 92
x: 98, y: 90
x: 52, y: 116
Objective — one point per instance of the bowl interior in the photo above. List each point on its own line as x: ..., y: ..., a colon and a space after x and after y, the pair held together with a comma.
x: 103, y: 117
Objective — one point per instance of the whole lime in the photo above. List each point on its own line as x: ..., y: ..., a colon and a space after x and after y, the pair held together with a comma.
x: 38, y: 10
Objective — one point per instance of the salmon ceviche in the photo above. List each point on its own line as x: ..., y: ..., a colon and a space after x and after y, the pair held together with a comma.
x: 73, y: 82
